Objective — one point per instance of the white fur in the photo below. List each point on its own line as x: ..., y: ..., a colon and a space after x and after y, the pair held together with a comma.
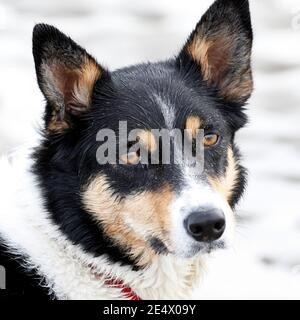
x: 70, y: 273
x: 167, y: 110
x: 197, y: 195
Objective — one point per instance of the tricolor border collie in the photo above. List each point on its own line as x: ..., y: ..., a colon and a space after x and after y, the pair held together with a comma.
x: 72, y: 228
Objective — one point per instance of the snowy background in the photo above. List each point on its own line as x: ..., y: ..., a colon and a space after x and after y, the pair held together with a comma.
x: 265, y: 262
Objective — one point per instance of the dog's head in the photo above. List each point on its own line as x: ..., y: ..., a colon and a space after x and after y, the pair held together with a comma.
x: 129, y: 210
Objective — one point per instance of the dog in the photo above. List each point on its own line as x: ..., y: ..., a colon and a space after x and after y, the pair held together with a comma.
x: 72, y: 228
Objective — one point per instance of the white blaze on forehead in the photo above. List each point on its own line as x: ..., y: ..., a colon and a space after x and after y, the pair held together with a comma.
x: 167, y: 110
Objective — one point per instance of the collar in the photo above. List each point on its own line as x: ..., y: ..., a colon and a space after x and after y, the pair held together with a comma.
x: 127, y: 292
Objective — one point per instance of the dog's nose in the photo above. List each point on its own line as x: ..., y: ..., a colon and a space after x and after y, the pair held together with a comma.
x: 206, y: 225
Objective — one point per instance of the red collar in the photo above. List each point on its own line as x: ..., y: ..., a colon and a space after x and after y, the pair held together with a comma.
x: 127, y: 291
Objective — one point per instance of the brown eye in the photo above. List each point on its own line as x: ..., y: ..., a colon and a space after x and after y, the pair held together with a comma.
x: 210, y: 139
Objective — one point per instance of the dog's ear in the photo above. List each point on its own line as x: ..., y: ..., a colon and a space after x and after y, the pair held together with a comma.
x: 66, y: 75
x: 221, y: 47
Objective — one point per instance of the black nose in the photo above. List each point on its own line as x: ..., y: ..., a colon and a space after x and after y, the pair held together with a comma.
x: 206, y: 225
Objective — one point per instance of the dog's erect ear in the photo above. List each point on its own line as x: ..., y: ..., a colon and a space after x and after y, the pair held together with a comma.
x: 221, y: 46
x: 66, y: 75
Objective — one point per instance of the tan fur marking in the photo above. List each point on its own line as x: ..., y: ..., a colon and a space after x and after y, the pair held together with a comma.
x: 89, y: 73
x: 132, y: 220
x: 69, y: 89
x: 57, y: 125
x: 193, y: 124
x: 226, y: 184
x: 147, y: 140
x: 241, y: 87
x: 213, y: 53
x: 198, y: 50
x: 130, y: 158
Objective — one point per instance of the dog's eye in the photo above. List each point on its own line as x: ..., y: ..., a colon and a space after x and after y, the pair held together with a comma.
x: 131, y: 158
x: 210, y: 139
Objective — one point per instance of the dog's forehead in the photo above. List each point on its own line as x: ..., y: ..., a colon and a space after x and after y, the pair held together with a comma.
x: 157, y: 96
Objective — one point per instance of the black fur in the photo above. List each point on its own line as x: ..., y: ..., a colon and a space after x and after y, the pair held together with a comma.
x: 158, y: 246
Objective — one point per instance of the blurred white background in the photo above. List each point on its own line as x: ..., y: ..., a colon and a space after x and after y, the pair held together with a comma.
x: 265, y: 261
